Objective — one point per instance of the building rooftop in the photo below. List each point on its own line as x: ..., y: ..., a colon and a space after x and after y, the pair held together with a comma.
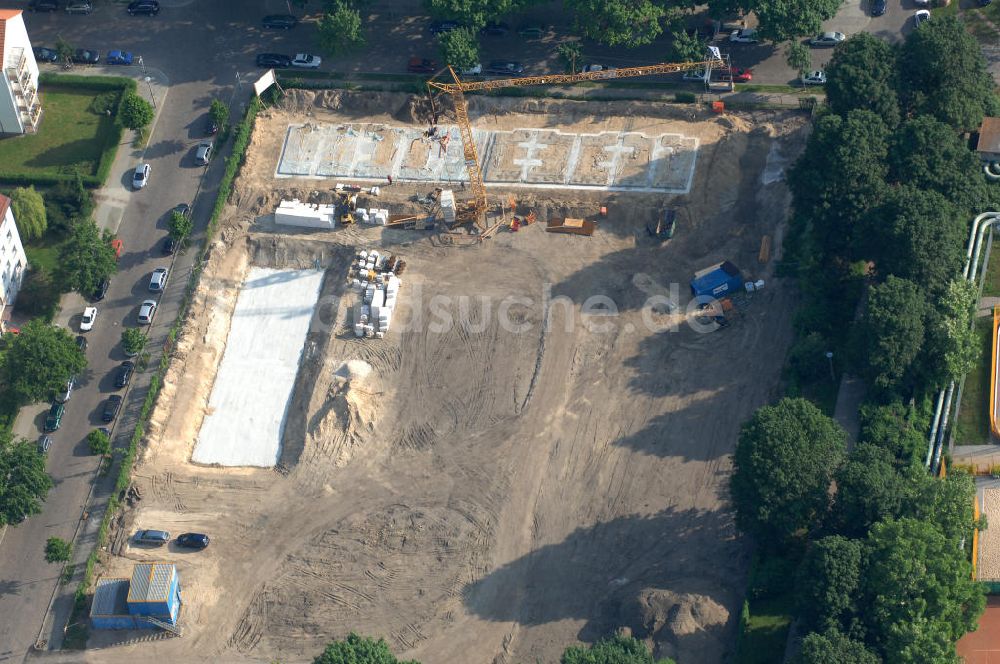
x: 4, y: 204
x: 989, y: 135
x: 151, y: 582
x: 110, y: 598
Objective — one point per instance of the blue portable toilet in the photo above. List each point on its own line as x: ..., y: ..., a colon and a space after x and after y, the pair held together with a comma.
x: 717, y: 280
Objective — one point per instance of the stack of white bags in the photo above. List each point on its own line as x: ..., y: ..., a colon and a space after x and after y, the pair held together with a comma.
x: 380, y: 288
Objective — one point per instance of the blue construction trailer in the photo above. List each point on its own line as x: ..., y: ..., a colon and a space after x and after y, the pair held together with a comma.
x: 717, y: 280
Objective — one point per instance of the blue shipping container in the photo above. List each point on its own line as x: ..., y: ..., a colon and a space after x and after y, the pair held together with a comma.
x: 717, y: 280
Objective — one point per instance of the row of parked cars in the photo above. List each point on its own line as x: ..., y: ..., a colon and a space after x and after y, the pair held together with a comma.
x: 84, y: 56
x: 135, y: 8
x: 161, y: 537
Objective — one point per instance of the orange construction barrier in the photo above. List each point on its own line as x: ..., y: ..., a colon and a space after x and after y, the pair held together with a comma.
x: 718, y: 106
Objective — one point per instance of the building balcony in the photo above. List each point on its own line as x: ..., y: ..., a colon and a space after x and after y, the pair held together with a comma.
x: 17, y: 65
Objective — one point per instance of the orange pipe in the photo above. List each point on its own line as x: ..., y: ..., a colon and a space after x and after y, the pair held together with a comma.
x: 994, y: 407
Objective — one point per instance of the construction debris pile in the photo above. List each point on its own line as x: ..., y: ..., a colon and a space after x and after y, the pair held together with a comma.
x: 376, y: 277
x: 310, y: 215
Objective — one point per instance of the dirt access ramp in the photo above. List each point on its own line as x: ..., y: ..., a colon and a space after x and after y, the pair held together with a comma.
x: 478, y: 491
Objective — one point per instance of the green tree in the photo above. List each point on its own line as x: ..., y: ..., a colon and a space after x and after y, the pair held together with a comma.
x: 783, y: 20
x: 943, y: 73
x: 687, y: 46
x: 39, y: 361
x: 57, y: 550
x: 834, y: 646
x: 862, y: 74
x: 613, y: 650
x: 929, y: 154
x: 340, y: 29
x: 475, y: 13
x: 947, y: 504
x: 891, y: 332
x: 67, y: 203
x: 133, y: 341
x: 87, y: 258
x: 917, y: 234
x: 64, y: 49
x: 219, y: 113
x: 359, y: 650
x: 135, y: 112
x: 783, y: 465
x: 918, y: 593
x: 807, y: 358
x: 870, y: 489
x: 459, y: 48
x: 951, y: 348
x: 828, y: 580
x: 571, y: 55
x: 99, y: 442
x: 627, y: 23
x: 23, y: 481
x: 180, y: 225
x: 840, y: 177
x: 29, y: 212
x: 895, y: 427
x: 38, y: 295
x: 798, y: 56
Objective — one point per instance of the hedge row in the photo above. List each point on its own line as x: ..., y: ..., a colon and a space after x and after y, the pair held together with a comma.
x: 88, y: 82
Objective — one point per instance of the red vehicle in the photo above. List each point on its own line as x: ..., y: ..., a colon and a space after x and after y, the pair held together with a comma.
x: 117, y: 246
x: 421, y: 66
x: 741, y: 75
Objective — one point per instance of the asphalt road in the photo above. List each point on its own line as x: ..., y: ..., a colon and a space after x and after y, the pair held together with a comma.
x: 193, y: 50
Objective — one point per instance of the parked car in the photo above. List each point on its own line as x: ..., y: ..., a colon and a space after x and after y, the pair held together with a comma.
x: 211, y: 127
x: 437, y: 27
x: 124, y: 374
x: 154, y: 537
x: 878, y: 7
x: 741, y: 75
x: 827, y: 39
x: 921, y: 16
x: 67, y: 390
x: 81, y: 343
x: 474, y: 70
x: 816, y: 77
x: 595, y: 67
x: 275, y: 60
x: 307, y: 61
x: 44, y: 5
x: 147, y: 7
x: 82, y: 56
x: 193, y: 540
x: 88, y: 318
x: 119, y: 58
x: 504, y: 68
x: 54, y: 419
x: 158, y: 280
x: 101, y: 291
x: 141, y: 176
x: 79, y: 7
x: 279, y: 21
x: 495, y: 29
x: 743, y: 36
x: 204, y: 153
x: 532, y: 31
x: 43, y: 54
x: 169, y: 246
x: 111, y: 407
x: 922, y: 3
x: 699, y: 75
x: 44, y: 443
x: 146, y: 312
x: 421, y: 66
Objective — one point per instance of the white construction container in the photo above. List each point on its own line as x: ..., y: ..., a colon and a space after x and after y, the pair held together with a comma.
x: 378, y: 299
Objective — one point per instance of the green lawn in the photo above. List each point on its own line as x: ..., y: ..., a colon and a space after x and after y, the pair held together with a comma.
x: 766, y: 635
x: 43, y: 253
x: 973, y: 425
x: 70, y: 137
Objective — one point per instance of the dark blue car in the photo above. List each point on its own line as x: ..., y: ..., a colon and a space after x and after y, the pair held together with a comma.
x: 878, y: 7
x: 119, y: 58
x: 193, y: 540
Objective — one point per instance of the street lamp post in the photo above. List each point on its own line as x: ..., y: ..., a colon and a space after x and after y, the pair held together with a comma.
x: 829, y: 358
x: 152, y: 98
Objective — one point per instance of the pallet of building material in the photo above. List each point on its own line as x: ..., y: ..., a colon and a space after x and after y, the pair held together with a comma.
x: 571, y: 226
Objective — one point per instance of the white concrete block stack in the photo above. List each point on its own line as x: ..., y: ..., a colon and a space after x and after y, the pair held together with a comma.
x: 373, y: 276
x: 309, y: 215
x: 448, y: 205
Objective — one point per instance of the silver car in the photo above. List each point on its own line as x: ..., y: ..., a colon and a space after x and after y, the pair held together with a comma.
x: 158, y: 281
x: 827, y: 39
x: 204, y: 153
x: 141, y: 177
x: 146, y: 312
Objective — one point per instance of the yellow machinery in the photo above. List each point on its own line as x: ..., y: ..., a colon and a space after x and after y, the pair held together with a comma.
x: 475, y: 212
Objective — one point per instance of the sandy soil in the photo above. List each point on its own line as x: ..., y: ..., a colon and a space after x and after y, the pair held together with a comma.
x: 481, y: 495
x: 988, y: 566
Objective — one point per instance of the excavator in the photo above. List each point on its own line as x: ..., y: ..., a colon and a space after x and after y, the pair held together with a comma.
x: 474, y: 211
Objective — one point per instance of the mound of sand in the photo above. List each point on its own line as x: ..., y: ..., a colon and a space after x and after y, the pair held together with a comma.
x: 684, y: 626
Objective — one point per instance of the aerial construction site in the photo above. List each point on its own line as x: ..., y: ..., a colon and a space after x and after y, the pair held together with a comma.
x: 536, y: 451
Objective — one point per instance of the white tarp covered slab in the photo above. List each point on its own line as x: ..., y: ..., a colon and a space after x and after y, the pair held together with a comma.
x: 253, y: 388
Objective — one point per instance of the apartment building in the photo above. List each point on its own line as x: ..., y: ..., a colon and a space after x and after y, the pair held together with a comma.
x: 13, y: 261
x: 20, y: 105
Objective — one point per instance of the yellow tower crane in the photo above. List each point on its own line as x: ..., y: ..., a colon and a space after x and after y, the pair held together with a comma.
x: 475, y: 212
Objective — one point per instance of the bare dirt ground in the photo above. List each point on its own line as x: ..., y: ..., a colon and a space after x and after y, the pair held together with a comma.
x: 482, y: 495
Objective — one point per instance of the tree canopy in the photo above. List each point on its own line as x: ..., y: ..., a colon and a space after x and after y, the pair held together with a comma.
x: 23, y: 481
x: 869, y: 489
x: 135, y: 112
x: 359, y: 650
x: 618, y: 22
x: 39, y: 361
x: 614, y: 650
x: 784, y: 461
x: 180, y: 225
x: 219, y: 113
x: 57, y: 550
x: 340, y: 28
x: 475, y: 13
x: 459, y: 48
x: 834, y: 646
x: 943, y: 73
x: 29, y: 212
x: 87, y: 258
x: 781, y: 20
x: 897, y: 428
x: 891, y: 332
x: 828, y: 580
x: 862, y: 75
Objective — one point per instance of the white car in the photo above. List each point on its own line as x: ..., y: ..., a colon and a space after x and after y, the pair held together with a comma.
x: 743, y: 36
x: 699, y: 75
x: 921, y: 16
x: 307, y: 61
x: 87, y: 321
x: 474, y: 70
x: 922, y: 3
x: 146, y: 312
x: 158, y: 280
x: 141, y: 177
x: 827, y: 39
x: 816, y: 77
